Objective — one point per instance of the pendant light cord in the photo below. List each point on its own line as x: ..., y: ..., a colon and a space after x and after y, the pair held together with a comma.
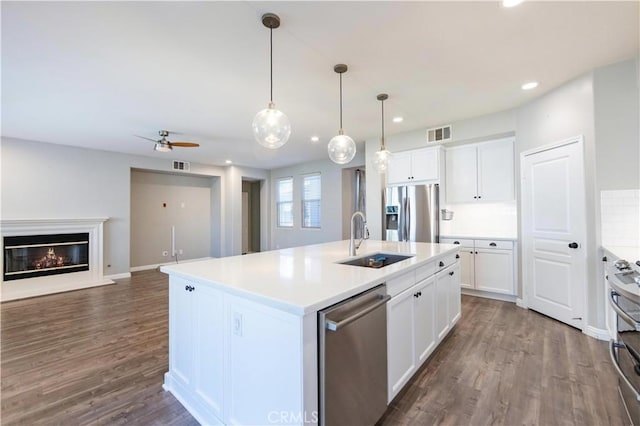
x: 271, y: 60
x: 340, y: 101
x: 382, y: 147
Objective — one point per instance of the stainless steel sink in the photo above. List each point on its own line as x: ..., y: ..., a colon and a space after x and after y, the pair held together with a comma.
x: 376, y: 260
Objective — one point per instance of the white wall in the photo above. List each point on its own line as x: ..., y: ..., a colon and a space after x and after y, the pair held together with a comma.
x: 331, y: 213
x: 160, y: 201
x: 42, y: 180
x: 617, y: 108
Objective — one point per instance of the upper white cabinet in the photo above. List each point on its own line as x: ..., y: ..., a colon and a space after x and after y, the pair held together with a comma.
x: 480, y: 172
x: 416, y: 166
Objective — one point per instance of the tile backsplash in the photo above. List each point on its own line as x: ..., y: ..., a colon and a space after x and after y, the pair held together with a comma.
x: 620, y: 214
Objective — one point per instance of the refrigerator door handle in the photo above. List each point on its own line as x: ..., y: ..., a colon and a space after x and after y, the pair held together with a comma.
x: 408, y: 213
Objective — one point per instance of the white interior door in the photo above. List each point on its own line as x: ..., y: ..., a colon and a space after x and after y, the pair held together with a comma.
x: 553, y: 231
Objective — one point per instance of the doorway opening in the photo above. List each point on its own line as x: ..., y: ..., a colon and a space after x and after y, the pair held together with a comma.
x: 251, y: 215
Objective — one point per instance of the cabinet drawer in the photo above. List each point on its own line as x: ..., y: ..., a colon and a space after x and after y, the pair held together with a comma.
x: 399, y: 284
x: 494, y: 244
x: 425, y: 271
x: 443, y: 262
x: 464, y: 242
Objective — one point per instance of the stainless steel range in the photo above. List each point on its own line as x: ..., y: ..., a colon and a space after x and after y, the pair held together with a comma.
x: 624, y: 291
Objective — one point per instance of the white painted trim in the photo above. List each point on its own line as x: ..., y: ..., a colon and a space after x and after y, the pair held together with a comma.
x: 488, y: 295
x: 568, y: 141
x: 119, y: 276
x: 598, y: 333
x: 521, y: 303
x: 157, y: 265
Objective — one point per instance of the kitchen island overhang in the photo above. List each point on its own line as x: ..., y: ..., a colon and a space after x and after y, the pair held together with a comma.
x: 243, y: 330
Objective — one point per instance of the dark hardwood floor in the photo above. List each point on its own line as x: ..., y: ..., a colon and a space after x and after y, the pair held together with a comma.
x: 98, y: 356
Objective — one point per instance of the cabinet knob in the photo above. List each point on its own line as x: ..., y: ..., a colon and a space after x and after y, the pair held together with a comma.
x: 456, y: 242
x: 479, y: 196
x: 416, y: 295
x: 492, y: 244
x: 186, y: 287
x: 441, y: 264
x: 604, y: 259
x: 457, y: 256
x: 474, y: 197
x: 573, y: 245
x: 451, y: 273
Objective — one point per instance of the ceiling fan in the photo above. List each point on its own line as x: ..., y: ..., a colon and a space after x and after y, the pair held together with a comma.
x: 164, y: 145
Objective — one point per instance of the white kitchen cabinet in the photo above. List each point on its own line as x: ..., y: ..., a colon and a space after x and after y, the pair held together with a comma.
x: 416, y: 166
x: 480, y: 172
x: 196, y: 352
x: 410, y: 332
x: 447, y: 300
x: 486, y: 265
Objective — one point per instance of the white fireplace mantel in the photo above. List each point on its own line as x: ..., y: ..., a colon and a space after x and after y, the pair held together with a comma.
x: 29, y: 287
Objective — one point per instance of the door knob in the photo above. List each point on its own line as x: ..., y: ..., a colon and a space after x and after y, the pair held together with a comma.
x: 573, y: 245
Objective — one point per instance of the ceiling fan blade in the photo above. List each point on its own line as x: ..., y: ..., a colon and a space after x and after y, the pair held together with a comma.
x: 149, y: 139
x: 185, y: 144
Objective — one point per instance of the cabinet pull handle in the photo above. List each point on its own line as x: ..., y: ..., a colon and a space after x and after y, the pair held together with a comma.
x: 492, y: 244
x: 186, y: 287
x: 451, y: 273
x: 456, y: 242
x: 441, y: 264
x: 604, y: 259
x: 416, y: 295
x: 457, y: 256
x: 573, y: 245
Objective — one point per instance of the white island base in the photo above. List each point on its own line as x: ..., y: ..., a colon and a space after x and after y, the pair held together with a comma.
x: 243, y: 330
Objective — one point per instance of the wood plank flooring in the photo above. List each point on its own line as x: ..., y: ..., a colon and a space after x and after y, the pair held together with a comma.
x: 98, y: 356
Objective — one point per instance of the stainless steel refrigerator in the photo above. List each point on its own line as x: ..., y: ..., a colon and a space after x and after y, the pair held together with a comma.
x: 411, y: 213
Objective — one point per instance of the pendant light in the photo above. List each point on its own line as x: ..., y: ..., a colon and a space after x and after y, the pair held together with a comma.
x: 341, y: 148
x: 382, y: 157
x: 271, y: 127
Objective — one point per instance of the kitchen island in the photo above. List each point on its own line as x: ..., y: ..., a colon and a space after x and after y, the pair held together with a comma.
x: 243, y: 330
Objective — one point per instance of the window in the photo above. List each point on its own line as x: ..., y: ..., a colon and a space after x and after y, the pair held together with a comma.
x: 311, y: 197
x: 284, y: 192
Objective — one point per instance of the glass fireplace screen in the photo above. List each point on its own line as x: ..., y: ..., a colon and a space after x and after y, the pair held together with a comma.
x: 29, y: 256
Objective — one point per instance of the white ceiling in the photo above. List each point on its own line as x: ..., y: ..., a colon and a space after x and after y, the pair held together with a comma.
x: 94, y: 74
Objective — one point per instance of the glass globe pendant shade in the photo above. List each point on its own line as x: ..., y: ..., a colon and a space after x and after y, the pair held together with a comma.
x: 341, y: 148
x: 271, y: 127
x: 381, y: 160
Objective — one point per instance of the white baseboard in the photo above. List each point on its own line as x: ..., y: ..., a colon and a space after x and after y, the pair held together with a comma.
x: 118, y: 276
x: 598, y: 333
x: 157, y: 265
x: 488, y: 295
x: 521, y: 303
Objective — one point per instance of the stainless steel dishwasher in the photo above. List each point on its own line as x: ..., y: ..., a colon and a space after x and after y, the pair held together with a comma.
x: 353, y: 359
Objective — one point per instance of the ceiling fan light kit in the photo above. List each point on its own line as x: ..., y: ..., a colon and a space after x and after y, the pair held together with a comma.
x: 271, y: 127
x: 382, y: 157
x: 341, y: 148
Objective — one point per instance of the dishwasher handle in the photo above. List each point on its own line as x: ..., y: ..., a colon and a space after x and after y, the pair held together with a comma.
x: 335, y: 325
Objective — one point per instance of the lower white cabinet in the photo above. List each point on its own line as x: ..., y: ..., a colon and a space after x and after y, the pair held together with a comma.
x: 196, y: 353
x: 418, y: 318
x: 410, y: 332
x: 486, y: 265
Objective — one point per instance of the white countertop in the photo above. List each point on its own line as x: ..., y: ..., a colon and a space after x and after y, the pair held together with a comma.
x: 305, y: 279
x: 631, y: 254
x: 481, y: 237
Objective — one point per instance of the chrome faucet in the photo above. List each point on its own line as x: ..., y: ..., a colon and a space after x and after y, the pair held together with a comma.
x: 365, y: 233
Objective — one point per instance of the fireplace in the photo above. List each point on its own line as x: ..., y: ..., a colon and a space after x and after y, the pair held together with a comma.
x: 44, y: 256
x: 28, y: 256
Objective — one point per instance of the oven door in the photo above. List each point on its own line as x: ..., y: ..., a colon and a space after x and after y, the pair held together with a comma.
x: 625, y: 353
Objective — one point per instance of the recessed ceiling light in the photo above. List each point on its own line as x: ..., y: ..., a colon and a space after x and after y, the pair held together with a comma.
x: 530, y: 85
x: 228, y: 161
x: 398, y: 119
x: 511, y: 3
x: 314, y: 139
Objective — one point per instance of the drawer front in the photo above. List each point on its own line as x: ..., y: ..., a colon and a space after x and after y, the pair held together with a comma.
x: 425, y: 271
x: 464, y: 242
x: 443, y: 262
x: 494, y: 244
x: 399, y: 284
